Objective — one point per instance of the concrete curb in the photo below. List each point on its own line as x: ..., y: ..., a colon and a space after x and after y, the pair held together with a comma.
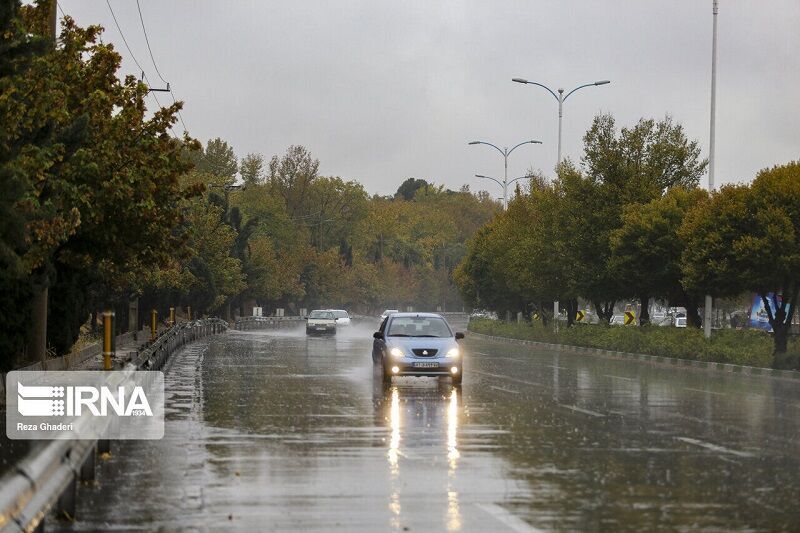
x: 654, y: 359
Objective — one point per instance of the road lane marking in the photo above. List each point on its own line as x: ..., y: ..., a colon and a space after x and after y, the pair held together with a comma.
x: 618, y: 377
x: 714, y: 447
x: 506, y: 377
x: 504, y: 390
x: 706, y: 391
x: 584, y: 411
x: 511, y: 521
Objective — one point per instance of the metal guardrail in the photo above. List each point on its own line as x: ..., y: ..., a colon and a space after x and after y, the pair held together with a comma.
x: 246, y: 323
x: 46, y: 479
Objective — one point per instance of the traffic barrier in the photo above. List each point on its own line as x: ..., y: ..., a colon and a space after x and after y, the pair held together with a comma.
x: 46, y: 479
x: 247, y: 323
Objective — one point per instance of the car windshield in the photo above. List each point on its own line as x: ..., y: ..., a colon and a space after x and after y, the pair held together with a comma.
x: 339, y: 313
x: 415, y: 326
x: 320, y: 314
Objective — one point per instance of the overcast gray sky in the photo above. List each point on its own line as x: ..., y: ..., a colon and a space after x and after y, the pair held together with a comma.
x: 380, y: 91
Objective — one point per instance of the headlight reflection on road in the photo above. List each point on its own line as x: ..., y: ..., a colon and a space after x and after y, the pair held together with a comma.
x: 452, y: 428
x: 393, y: 455
x: 453, y: 512
x: 394, y: 423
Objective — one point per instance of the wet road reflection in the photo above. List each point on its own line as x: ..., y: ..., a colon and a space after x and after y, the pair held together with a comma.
x: 276, y: 431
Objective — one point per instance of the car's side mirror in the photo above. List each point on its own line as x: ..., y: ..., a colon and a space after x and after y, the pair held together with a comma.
x: 459, y: 335
x: 377, y: 335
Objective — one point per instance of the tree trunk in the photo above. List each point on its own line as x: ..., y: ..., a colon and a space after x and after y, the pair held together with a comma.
x: 780, y: 338
x: 644, y: 315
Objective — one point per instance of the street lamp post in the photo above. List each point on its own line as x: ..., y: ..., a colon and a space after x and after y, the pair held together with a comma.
x: 709, y: 302
x: 560, y: 98
x: 505, y: 152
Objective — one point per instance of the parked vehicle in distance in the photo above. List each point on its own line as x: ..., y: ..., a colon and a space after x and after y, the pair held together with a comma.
x: 320, y: 321
x: 341, y: 316
x: 483, y: 313
x: 387, y: 313
x: 417, y: 344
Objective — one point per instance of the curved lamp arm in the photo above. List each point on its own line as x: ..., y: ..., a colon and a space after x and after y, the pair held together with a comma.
x: 524, y: 142
x: 601, y: 82
x: 500, y: 183
x: 545, y: 87
x: 489, y: 144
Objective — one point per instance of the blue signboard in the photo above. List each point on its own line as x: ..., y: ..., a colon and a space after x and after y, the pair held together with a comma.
x: 758, y: 313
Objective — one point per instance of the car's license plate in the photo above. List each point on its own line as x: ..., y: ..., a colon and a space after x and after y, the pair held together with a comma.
x: 426, y: 365
x: 321, y: 329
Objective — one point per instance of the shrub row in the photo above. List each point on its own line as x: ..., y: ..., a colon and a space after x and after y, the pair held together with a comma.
x: 741, y: 347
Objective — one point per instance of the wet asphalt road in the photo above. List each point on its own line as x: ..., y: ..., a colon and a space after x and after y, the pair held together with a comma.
x: 270, y: 430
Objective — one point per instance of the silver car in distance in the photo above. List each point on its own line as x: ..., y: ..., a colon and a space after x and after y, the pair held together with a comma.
x: 417, y: 344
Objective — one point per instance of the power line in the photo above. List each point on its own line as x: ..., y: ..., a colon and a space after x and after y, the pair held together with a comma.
x: 123, y: 37
x: 147, y: 40
x: 136, y: 61
x: 153, y: 59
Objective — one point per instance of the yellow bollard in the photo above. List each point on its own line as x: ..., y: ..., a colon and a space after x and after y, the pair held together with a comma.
x: 171, y: 316
x: 153, y: 324
x: 108, y: 338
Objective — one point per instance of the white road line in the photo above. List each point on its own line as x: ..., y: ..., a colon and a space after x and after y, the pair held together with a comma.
x: 618, y: 377
x: 706, y: 391
x: 504, y: 390
x: 509, y: 520
x: 584, y: 411
x: 506, y: 377
x: 714, y: 447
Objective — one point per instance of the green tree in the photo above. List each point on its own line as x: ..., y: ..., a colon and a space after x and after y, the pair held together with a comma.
x: 252, y: 169
x: 409, y: 188
x: 217, y: 159
x: 646, y: 250
x: 748, y: 238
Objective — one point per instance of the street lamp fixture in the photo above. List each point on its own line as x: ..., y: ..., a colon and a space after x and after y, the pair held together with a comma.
x: 505, y: 153
x: 560, y: 97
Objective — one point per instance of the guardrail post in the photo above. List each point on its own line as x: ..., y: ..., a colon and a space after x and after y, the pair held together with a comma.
x: 171, y: 316
x: 153, y: 325
x: 108, y: 338
x: 87, y: 468
x: 65, y: 505
x: 103, y: 446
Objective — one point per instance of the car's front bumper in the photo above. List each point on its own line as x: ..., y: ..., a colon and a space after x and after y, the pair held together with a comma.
x: 411, y: 367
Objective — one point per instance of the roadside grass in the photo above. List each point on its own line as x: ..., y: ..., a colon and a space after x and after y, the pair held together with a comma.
x: 740, y: 347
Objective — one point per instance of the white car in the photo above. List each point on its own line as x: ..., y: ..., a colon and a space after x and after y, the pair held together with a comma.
x: 320, y: 321
x: 342, y: 317
x: 387, y: 313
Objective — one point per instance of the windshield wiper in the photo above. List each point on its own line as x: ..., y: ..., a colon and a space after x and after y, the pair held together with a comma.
x: 398, y: 335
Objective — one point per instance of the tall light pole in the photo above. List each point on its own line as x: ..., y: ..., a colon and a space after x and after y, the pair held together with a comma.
x: 505, y: 153
x: 560, y: 98
x: 709, y: 303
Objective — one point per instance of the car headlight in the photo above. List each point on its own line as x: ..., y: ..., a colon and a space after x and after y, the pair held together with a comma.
x: 397, y: 352
x: 453, y: 352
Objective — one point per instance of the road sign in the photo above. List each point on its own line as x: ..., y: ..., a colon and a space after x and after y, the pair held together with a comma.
x: 579, y: 316
x: 630, y: 318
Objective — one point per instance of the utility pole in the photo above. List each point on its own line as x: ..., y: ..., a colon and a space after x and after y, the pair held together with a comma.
x: 37, y: 350
x: 715, y: 9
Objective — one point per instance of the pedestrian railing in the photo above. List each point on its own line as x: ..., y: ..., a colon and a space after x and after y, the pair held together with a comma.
x: 46, y: 479
x: 246, y: 323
